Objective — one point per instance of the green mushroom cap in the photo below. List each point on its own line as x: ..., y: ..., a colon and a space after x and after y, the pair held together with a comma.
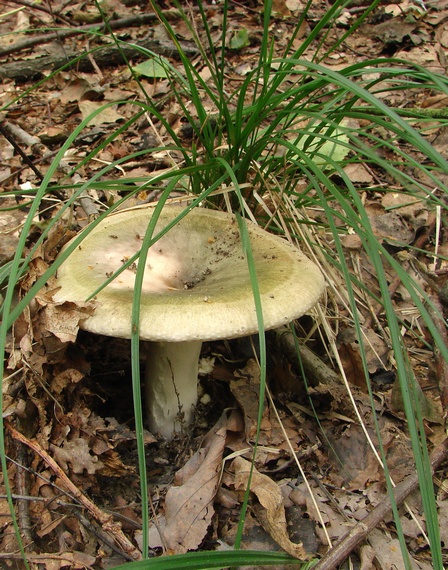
x: 196, y: 283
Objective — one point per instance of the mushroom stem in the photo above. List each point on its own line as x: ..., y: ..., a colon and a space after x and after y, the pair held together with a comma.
x: 171, y: 384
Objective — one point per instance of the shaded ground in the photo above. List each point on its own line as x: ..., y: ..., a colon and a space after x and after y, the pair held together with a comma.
x: 72, y: 402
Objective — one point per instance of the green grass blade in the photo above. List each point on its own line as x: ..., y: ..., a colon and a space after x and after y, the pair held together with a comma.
x: 214, y: 559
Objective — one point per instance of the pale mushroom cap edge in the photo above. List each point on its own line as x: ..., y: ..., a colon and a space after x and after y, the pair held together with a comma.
x: 198, y: 285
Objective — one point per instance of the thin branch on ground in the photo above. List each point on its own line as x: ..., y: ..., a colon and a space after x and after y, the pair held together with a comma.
x: 360, y: 532
x: 12, y: 132
x: 107, y: 55
x: 128, y: 22
x: 441, y: 365
x: 35, y: 6
x: 22, y: 485
x: 106, y: 520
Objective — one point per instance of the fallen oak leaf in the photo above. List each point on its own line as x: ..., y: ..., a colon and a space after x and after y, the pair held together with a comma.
x: 76, y: 453
x: 189, y: 502
x: 271, y: 511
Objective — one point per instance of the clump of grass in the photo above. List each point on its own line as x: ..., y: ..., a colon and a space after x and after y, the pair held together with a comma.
x: 275, y: 148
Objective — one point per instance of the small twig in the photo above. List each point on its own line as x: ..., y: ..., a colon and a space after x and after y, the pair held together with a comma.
x: 100, y: 534
x: 436, y: 312
x: 314, y: 367
x: 50, y: 483
x: 330, y: 498
x: 10, y: 132
x: 419, y: 243
x: 15, y: 173
x: 108, y: 54
x: 43, y: 559
x: 106, y: 520
x: 94, y: 63
x: 15, y: 133
x: 128, y: 22
x: 88, y: 205
x: 411, y: 113
x: 22, y: 486
x: 359, y: 533
x: 35, y: 6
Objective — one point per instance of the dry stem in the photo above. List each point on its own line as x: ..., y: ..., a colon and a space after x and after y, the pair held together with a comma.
x: 358, y: 533
x: 106, y: 520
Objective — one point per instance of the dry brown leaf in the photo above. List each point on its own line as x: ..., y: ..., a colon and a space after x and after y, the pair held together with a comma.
x: 358, y: 173
x: 75, y: 90
x: 442, y: 504
x: 294, y: 5
x: 10, y: 224
x: 403, y: 204
x: 79, y: 559
x: 63, y: 320
x: 73, y: 560
x: 391, y: 228
x: 351, y: 241
x: 189, y: 502
x: 367, y: 555
x: 351, y: 456
x: 46, y: 529
x: 271, y: 514
x: 352, y: 364
x: 118, y: 433
x: 388, y: 553
x: 105, y: 116
x: 280, y: 9
x: 98, y: 453
x: 375, y: 349
x: 63, y: 378
x: 335, y: 522
x: 5, y: 514
x: 246, y: 391
x: 76, y: 453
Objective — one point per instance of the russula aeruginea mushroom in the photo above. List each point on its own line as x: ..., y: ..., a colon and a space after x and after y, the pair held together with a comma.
x: 196, y: 288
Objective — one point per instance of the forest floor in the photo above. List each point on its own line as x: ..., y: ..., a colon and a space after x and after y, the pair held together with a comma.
x: 68, y: 406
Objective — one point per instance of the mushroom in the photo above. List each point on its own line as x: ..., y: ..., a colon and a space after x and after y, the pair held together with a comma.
x: 196, y: 288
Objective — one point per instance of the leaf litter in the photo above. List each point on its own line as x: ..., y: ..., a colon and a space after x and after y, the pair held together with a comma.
x: 84, y: 448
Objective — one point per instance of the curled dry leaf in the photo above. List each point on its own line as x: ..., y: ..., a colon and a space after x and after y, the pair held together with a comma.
x: 63, y: 320
x: 189, y: 502
x: 104, y: 114
x: 246, y: 389
x: 92, y: 441
x: 77, y: 453
x: 271, y: 512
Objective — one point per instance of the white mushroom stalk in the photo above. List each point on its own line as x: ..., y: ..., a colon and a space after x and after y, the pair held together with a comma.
x: 196, y: 288
x: 171, y: 384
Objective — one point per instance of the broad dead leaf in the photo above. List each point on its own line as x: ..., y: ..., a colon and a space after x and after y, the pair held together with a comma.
x: 375, y: 350
x: 358, y: 173
x: 189, y: 502
x: 246, y: 390
x: 272, y: 511
x: 391, y: 228
x: 388, y: 553
x: 105, y: 116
